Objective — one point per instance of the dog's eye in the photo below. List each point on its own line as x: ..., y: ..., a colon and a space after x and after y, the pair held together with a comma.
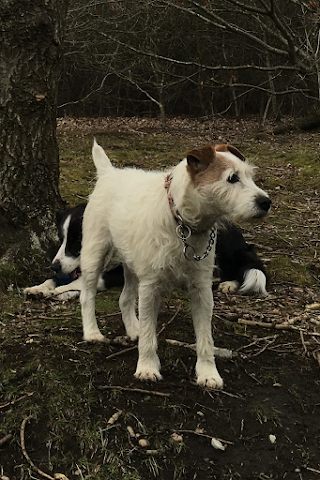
x: 233, y: 178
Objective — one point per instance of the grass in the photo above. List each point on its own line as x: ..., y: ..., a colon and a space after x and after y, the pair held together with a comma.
x: 77, y: 169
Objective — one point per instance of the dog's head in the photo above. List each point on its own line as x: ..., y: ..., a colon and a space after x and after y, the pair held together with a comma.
x: 225, y: 183
x: 67, y: 259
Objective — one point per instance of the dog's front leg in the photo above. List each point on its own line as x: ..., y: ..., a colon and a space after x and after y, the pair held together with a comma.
x: 91, y: 332
x: 202, y: 307
x: 148, y: 367
x: 91, y: 265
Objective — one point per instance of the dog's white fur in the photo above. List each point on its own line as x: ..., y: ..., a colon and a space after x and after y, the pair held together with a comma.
x: 129, y: 219
x: 254, y: 281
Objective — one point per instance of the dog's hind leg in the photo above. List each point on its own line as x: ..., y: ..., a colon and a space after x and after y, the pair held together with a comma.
x: 201, y: 308
x: 127, y: 303
x: 92, y: 259
x: 148, y: 367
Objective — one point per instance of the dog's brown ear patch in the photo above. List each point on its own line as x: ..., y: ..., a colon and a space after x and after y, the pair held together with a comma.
x: 199, y: 159
x: 231, y: 149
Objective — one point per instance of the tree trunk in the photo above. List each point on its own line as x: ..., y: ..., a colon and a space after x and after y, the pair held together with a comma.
x: 30, y: 59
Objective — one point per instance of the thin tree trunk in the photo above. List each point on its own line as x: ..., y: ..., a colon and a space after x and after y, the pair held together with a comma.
x: 30, y: 58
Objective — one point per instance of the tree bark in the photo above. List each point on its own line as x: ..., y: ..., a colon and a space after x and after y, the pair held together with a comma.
x: 31, y: 35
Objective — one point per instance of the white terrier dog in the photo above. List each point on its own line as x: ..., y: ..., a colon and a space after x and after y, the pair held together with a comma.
x: 161, y: 227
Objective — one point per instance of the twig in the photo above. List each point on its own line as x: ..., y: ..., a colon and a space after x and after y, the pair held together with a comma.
x: 303, y: 343
x: 318, y: 358
x: 312, y: 470
x: 218, y: 352
x: 265, y: 347
x: 121, y: 352
x: 184, y: 366
x: 206, y: 436
x: 255, y: 342
x: 75, y: 348
x: 15, y: 401
x: 24, y: 451
x: 5, y: 439
x: 139, y: 390
x: 126, y: 350
x: 170, y: 321
x: 222, y: 392
x: 277, y: 326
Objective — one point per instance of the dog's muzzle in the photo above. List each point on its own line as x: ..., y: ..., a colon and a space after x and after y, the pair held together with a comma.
x: 264, y: 204
x: 56, y: 266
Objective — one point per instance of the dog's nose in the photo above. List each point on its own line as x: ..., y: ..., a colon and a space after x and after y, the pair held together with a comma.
x: 56, y: 266
x: 264, y: 203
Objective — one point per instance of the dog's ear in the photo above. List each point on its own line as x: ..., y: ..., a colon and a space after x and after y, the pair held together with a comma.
x: 231, y: 149
x: 200, y: 158
x: 236, y: 152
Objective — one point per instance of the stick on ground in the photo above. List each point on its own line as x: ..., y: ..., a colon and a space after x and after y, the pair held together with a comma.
x: 24, y: 451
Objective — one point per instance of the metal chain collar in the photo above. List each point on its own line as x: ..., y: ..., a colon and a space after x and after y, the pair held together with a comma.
x: 184, y: 232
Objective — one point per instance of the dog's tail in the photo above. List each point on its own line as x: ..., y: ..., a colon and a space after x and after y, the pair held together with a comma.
x: 254, y: 281
x: 100, y: 159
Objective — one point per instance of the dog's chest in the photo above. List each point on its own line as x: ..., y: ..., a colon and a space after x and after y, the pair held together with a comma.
x: 172, y: 264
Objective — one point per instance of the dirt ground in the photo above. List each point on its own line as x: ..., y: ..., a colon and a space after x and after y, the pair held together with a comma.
x: 58, y: 394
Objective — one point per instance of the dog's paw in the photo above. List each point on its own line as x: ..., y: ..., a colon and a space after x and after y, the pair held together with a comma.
x: 95, y: 337
x: 229, y: 287
x: 215, y: 381
x: 208, y: 375
x: 43, y: 290
x: 148, y: 372
x: 148, y: 375
x: 37, y: 291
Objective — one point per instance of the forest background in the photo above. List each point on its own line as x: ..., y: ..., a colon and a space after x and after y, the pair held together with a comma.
x: 187, y: 57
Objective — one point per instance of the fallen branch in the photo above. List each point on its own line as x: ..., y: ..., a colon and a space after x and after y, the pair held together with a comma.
x: 263, y: 349
x: 288, y: 325
x: 5, y: 439
x: 312, y: 470
x: 138, y: 390
x: 277, y: 326
x: 24, y: 451
x: 318, y: 358
x: 121, y: 352
x: 170, y: 321
x: 258, y: 340
x: 200, y: 434
x: 17, y: 400
x: 303, y: 343
x: 218, y: 352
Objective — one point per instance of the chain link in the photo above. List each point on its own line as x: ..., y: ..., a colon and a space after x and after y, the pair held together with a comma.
x: 183, y: 232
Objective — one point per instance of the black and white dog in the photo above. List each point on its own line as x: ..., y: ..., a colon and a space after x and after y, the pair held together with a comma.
x: 66, y: 283
x: 238, y: 267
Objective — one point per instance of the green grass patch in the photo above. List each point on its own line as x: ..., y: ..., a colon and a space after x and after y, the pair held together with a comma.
x: 288, y: 270
x: 148, y: 151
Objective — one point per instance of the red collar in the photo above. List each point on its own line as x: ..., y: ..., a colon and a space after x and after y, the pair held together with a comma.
x: 167, y: 184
